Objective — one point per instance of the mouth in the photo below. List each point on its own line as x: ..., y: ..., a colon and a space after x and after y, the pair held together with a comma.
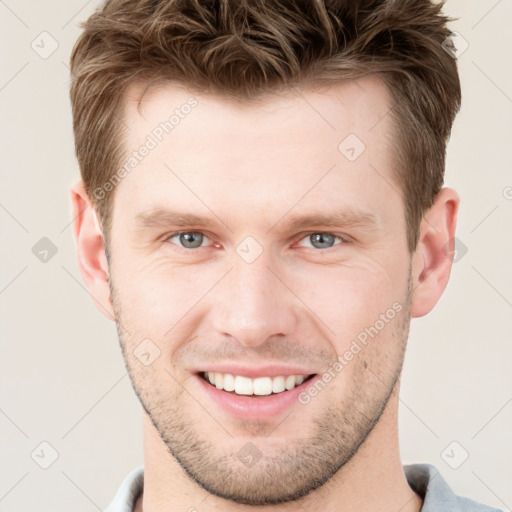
x: 264, y: 393
x: 259, y: 387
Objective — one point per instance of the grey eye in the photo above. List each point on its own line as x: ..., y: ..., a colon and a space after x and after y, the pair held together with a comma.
x: 191, y: 239
x: 320, y: 240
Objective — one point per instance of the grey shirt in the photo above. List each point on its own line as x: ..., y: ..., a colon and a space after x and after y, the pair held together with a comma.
x: 424, y: 479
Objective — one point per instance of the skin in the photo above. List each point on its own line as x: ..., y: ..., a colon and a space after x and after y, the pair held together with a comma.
x: 252, y: 169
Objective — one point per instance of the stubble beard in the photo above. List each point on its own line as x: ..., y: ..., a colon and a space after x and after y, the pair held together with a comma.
x: 287, y: 471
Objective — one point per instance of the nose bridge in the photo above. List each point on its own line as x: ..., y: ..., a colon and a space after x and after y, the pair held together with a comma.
x: 255, y: 304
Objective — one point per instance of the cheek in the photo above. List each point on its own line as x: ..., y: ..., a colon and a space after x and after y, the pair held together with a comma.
x: 351, y: 297
x: 158, y: 299
x: 158, y: 296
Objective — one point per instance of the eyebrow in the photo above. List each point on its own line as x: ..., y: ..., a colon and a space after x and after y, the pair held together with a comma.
x: 347, y: 218
x: 164, y: 217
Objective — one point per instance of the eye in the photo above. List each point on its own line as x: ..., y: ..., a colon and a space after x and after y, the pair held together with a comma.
x: 322, y: 240
x: 196, y: 239
x: 187, y: 239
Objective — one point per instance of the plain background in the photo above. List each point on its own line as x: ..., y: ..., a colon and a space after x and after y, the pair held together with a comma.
x: 62, y: 378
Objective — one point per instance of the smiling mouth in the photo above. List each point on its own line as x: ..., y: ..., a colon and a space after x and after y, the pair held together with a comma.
x: 258, y: 387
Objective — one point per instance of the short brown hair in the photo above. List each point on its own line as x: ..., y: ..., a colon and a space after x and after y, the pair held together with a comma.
x: 243, y: 49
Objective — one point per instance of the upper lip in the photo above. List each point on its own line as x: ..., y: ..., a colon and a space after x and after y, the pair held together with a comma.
x: 268, y: 370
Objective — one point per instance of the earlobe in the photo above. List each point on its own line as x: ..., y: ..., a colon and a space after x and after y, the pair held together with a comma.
x: 92, y: 261
x: 432, y: 260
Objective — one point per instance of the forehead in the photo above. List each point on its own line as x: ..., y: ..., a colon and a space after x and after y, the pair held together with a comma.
x: 280, y: 146
x: 359, y: 104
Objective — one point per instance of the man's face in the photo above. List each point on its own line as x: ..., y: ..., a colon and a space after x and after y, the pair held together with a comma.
x: 255, y: 293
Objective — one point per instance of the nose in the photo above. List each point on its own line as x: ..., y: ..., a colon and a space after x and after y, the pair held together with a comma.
x: 253, y: 304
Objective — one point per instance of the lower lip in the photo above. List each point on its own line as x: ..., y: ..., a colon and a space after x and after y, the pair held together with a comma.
x: 254, y: 407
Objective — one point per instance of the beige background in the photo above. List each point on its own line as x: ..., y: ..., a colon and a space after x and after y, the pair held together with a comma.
x: 62, y: 379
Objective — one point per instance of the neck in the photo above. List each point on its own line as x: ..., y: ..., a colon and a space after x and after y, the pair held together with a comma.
x: 373, y: 480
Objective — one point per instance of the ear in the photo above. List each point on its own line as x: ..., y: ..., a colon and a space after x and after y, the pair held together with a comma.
x: 432, y: 260
x: 92, y: 261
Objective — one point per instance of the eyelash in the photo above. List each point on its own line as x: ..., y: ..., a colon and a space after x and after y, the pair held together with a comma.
x: 167, y: 238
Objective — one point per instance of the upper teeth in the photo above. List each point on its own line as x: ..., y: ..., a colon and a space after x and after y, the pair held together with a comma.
x: 259, y: 386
